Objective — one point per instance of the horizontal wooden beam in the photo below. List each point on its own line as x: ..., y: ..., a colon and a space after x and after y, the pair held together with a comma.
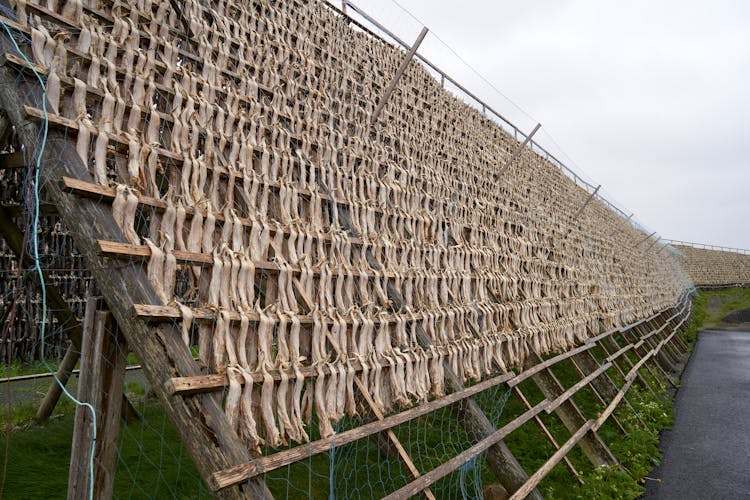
x: 242, y: 472
x: 575, y: 388
x: 464, y: 457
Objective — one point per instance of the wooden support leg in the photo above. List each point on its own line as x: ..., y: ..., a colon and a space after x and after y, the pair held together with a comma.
x: 662, y: 362
x: 602, y: 386
x: 547, y: 433
x: 615, y: 346
x: 101, y: 382
x: 591, y: 444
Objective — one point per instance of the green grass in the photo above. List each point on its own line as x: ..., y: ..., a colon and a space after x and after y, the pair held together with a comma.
x: 713, y: 305
x: 153, y: 464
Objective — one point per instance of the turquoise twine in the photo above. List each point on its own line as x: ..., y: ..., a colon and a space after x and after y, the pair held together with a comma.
x: 38, y: 268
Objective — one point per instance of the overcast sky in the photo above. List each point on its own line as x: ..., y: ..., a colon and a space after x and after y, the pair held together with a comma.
x: 651, y: 99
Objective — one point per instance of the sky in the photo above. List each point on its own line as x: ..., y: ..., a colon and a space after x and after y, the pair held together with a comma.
x: 650, y: 99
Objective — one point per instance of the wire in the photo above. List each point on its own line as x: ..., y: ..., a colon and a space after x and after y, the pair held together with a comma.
x: 37, y: 266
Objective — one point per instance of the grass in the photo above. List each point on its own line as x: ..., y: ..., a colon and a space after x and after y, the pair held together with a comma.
x: 712, y: 306
x: 153, y: 464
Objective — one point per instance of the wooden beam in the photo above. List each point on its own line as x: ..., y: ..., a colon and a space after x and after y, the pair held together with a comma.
x: 537, y: 477
x: 586, y: 203
x: 465, y: 456
x: 12, y: 160
x: 100, y: 384
x: 212, y: 443
x: 644, y: 239
x: 592, y: 446
x: 262, y: 465
x: 547, y: 434
x: 518, y: 149
x: 399, y: 72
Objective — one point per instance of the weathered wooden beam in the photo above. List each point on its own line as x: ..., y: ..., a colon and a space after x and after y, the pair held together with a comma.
x: 537, y: 477
x: 467, y: 455
x: 550, y: 438
x: 518, y: 149
x: 12, y: 160
x: 644, y: 239
x: 601, y: 387
x: 100, y: 384
x: 262, y: 465
x: 616, y: 229
x: 652, y: 244
x: 592, y: 446
x: 586, y: 203
x: 200, y: 421
x: 399, y: 72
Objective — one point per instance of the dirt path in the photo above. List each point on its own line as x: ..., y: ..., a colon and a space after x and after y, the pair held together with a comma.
x: 707, y: 453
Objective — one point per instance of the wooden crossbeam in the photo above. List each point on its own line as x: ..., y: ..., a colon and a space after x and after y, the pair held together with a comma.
x: 518, y: 149
x: 537, y: 477
x: 222, y: 479
x: 464, y: 457
x: 644, y: 239
x: 399, y: 72
x: 12, y: 160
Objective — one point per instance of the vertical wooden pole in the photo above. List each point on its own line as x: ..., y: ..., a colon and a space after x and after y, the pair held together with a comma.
x: 100, y: 384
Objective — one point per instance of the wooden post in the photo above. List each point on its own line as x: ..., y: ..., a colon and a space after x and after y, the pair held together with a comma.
x: 644, y: 239
x: 100, y: 384
x: 626, y: 220
x: 399, y: 72
x: 593, y: 447
x: 520, y: 147
x: 586, y: 203
x: 602, y: 386
x: 203, y: 427
x: 550, y: 438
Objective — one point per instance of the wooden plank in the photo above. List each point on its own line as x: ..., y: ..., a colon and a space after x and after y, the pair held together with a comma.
x: 79, y: 478
x: 592, y: 446
x: 576, y: 387
x: 536, y: 368
x: 187, y: 386
x: 399, y: 72
x: 586, y: 203
x: 242, y: 472
x: 547, y: 434
x: 465, y: 456
x: 100, y: 384
x: 536, y: 478
x: 213, y: 444
x: 518, y: 149
x: 111, y: 360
